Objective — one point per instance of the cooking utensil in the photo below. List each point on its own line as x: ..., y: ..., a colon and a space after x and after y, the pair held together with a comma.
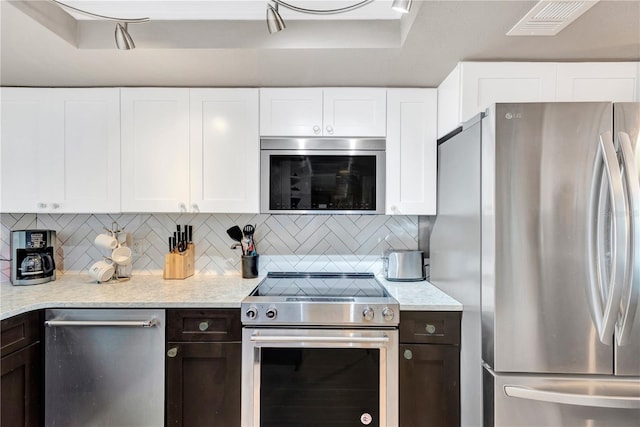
x: 235, y: 233
x: 248, y: 231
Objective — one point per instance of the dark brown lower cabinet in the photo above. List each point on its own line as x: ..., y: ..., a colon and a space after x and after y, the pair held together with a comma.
x: 429, y: 369
x: 203, y: 378
x: 21, y: 369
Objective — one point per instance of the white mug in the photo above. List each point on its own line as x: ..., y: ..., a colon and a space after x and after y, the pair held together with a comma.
x: 106, y: 241
x: 121, y: 255
x: 102, y: 271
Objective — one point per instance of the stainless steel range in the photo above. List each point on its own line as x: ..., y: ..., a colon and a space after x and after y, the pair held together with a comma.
x: 320, y: 349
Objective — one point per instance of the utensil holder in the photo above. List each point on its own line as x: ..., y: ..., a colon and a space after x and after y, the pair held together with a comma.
x: 249, y: 266
x: 179, y: 265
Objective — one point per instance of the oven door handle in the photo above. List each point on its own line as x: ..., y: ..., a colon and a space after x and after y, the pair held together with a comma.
x: 298, y: 339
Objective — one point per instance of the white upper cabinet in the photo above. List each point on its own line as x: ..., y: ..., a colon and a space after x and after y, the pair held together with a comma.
x: 411, y: 152
x: 26, y: 123
x: 60, y: 150
x: 354, y: 112
x: 598, y: 81
x: 225, y: 150
x: 291, y: 112
x: 350, y: 112
x: 472, y: 86
x: 155, y: 149
x: 190, y: 150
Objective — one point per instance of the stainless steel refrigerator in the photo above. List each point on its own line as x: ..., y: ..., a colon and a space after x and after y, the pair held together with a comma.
x: 538, y: 235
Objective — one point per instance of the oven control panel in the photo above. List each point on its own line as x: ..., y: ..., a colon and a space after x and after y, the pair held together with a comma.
x: 310, y: 313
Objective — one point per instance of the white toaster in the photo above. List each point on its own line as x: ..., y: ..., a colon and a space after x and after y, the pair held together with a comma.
x: 404, y: 265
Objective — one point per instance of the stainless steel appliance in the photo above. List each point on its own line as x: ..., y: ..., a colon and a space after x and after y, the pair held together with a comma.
x: 32, y: 256
x: 319, y: 349
x: 322, y: 175
x: 104, y: 367
x: 403, y: 265
x: 538, y: 235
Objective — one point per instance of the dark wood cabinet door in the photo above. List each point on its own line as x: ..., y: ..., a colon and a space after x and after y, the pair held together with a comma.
x: 203, y: 384
x: 429, y: 385
x: 20, y: 390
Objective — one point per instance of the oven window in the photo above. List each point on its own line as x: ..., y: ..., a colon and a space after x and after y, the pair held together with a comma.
x: 319, y: 387
x: 322, y: 182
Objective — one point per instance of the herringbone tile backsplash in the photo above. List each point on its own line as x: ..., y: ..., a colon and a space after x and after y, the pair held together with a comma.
x: 284, y: 242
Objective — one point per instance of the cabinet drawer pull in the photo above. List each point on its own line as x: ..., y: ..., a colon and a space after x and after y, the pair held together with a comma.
x: 173, y: 352
x: 408, y: 354
x: 203, y: 326
x: 430, y: 328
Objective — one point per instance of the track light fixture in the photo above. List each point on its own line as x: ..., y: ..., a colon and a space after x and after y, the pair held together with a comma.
x: 275, y: 23
x: 403, y: 6
x: 122, y: 36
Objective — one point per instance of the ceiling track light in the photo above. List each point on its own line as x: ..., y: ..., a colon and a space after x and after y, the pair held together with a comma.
x: 275, y: 23
x: 403, y: 6
x: 323, y: 11
x: 122, y: 36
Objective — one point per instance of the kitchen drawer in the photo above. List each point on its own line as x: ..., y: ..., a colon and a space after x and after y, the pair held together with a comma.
x: 20, y: 331
x: 430, y: 327
x: 208, y: 325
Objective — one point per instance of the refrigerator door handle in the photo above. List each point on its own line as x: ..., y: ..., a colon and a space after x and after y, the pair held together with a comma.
x: 604, y: 294
x: 631, y: 289
x: 598, y: 401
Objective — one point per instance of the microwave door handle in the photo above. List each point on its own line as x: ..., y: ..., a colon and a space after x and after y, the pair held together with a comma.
x: 631, y: 290
x: 605, y: 293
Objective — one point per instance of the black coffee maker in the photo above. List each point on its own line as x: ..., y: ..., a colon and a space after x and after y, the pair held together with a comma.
x: 32, y: 256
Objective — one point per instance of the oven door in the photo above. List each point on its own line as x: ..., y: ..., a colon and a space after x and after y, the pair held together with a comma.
x: 319, y: 377
x: 324, y: 176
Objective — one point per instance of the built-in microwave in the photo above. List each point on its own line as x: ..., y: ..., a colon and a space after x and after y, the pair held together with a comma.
x: 322, y: 175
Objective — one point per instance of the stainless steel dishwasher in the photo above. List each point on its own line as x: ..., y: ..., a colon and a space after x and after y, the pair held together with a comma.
x: 104, y: 367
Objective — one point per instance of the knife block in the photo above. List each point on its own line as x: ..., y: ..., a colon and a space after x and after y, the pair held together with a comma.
x: 179, y: 265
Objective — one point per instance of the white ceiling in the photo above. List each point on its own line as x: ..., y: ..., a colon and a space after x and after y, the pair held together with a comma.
x: 46, y: 47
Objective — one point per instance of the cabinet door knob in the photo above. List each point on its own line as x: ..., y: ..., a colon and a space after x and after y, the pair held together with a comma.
x: 329, y: 130
x: 182, y: 207
x: 42, y: 205
x: 408, y: 354
x: 55, y: 205
x: 203, y: 326
x: 430, y: 328
x: 316, y: 130
x: 172, y: 352
x: 195, y: 208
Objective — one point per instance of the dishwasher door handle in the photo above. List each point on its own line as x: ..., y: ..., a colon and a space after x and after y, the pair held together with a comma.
x: 118, y: 323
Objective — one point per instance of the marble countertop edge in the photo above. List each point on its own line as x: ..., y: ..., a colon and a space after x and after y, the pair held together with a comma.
x: 206, y: 291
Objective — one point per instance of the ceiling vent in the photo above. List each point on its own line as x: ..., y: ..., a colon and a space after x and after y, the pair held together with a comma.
x: 548, y: 17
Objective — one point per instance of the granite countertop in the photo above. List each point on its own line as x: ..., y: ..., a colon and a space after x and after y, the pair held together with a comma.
x: 144, y: 291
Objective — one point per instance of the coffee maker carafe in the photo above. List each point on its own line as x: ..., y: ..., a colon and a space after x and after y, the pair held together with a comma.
x: 32, y: 256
